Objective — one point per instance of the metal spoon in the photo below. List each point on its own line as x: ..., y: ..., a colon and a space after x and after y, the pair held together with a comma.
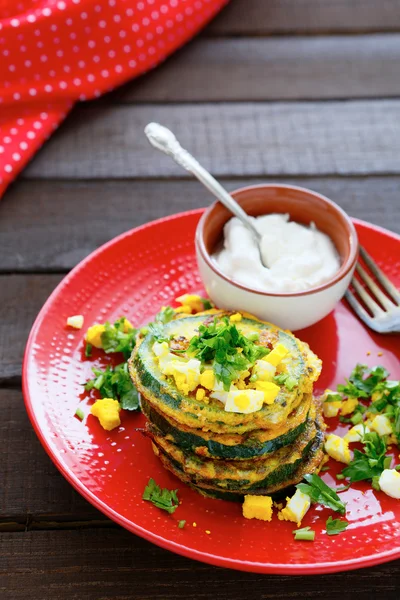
x: 164, y: 140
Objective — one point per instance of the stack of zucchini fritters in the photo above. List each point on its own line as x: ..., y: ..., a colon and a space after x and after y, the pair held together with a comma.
x: 220, y: 451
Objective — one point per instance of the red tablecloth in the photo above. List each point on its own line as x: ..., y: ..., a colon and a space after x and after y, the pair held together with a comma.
x: 54, y: 53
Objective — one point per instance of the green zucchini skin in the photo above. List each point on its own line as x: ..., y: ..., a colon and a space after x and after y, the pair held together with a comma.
x: 165, y: 398
x: 310, y: 464
x: 244, y: 476
x: 208, y: 448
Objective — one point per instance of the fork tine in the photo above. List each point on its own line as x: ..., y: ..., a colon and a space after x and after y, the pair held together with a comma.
x: 383, y: 299
x: 381, y: 277
x: 366, y: 298
x: 359, y: 309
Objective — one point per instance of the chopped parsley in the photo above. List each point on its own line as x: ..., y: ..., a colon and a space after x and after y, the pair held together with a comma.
x: 363, y: 381
x: 335, y: 526
x: 156, y: 327
x: 115, y: 383
x: 207, y: 304
x: 306, y: 534
x: 321, y: 493
x: 370, y: 463
x: 181, y: 524
x: 332, y: 397
x: 229, y: 351
x: 162, y: 498
x: 88, y: 350
x: 118, y: 338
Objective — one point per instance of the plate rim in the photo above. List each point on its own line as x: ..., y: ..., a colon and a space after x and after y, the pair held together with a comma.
x: 181, y: 549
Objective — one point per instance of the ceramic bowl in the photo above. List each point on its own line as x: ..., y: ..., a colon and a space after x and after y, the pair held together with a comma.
x: 291, y: 310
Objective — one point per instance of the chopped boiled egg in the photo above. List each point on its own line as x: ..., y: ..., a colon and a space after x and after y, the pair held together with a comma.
x: 382, y: 425
x: 338, y: 448
x: 276, y: 355
x: 207, y: 379
x: 185, y: 373
x: 160, y: 348
x: 244, y: 401
x: 192, y: 301
x: 330, y: 408
x: 389, y: 482
x: 257, y: 507
x: 269, y: 389
x: 76, y: 321
x: 127, y: 326
x: 93, y: 335
x: 296, y: 508
x: 200, y: 394
x: 184, y: 309
x: 356, y: 433
x: 107, y: 411
x: 263, y: 370
x: 235, y: 318
x: 348, y: 406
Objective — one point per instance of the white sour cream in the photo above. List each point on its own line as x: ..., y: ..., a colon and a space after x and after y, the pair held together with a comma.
x: 298, y: 257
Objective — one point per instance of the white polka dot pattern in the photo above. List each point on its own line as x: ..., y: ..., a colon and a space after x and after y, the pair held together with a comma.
x: 55, y: 52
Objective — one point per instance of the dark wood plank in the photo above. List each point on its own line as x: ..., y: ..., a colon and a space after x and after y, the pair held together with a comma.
x: 76, y: 217
x: 274, y: 69
x: 307, y: 138
x: 244, y: 17
x: 21, y: 298
x: 108, y: 564
x: 32, y: 489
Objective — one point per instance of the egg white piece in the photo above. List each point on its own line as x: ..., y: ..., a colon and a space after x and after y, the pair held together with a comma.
x: 382, y: 425
x: 389, y: 482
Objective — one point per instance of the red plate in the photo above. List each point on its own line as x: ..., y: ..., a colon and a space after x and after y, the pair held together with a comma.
x: 134, y: 275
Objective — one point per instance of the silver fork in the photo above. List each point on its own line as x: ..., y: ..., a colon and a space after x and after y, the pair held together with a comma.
x: 383, y: 320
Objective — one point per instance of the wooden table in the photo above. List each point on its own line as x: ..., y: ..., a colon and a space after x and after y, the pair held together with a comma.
x: 301, y: 91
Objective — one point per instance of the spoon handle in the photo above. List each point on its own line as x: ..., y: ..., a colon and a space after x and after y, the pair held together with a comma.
x: 164, y: 140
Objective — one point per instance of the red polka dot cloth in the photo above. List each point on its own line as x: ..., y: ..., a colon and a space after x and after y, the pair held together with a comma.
x: 54, y: 53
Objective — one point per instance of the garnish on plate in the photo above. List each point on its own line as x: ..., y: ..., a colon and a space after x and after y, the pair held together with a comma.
x: 319, y: 492
x: 335, y: 526
x: 226, y: 348
x: 161, y: 497
x: 115, y: 383
x: 306, y: 534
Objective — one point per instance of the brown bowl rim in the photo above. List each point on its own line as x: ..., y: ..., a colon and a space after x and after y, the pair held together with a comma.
x: 344, y: 270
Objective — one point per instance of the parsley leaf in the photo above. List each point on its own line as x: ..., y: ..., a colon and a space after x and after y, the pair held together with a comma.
x: 371, y: 462
x: 227, y: 348
x: 321, y: 493
x: 119, y: 337
x: 207, y: 304
x: 156, y: 327
x: 115, y: 383
x: 335, y: 526
x: 162, y: 498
